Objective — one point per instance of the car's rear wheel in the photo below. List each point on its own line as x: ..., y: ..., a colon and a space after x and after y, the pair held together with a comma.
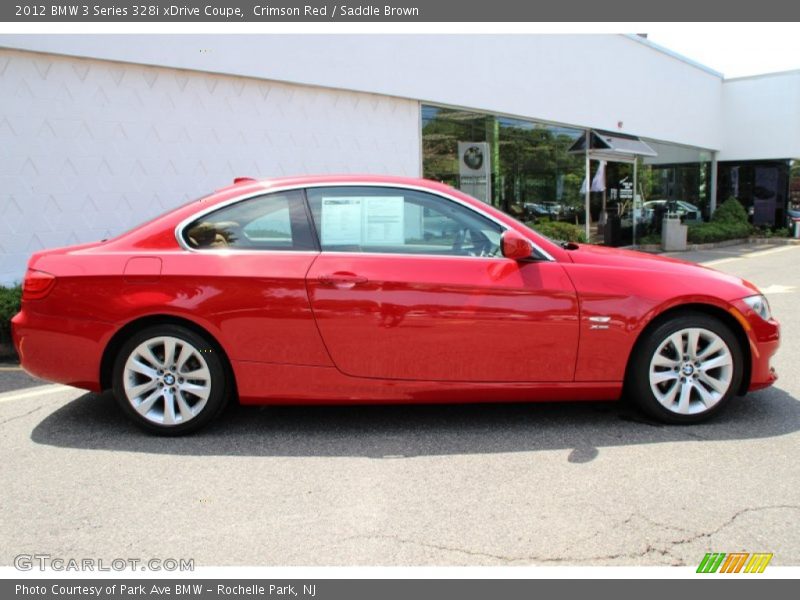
x: 170, y: 380
x: 686, y: 369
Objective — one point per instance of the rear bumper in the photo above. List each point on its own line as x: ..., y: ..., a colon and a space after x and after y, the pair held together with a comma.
x: 65, y: 351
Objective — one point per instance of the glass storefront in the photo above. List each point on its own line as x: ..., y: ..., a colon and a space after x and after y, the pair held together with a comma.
x: 530, y: 173
x: 765, y: 188
x: 794, y: 187
x: 678, y: 173
x: 526, y: 168
x: 537, y: 177
x: 677, y: 181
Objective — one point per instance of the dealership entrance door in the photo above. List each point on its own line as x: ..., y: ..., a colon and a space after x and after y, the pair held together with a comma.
x: 611, y: 178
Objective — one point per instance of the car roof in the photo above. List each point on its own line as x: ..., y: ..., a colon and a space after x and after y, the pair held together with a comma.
x: 299, y: 180
x: 159, y: 232
x: 241, y: 183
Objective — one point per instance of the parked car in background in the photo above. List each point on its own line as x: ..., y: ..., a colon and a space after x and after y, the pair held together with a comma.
x: 321, y: 290
x: 689, y: 213
x: 536, y: 210
x: 551, y: 210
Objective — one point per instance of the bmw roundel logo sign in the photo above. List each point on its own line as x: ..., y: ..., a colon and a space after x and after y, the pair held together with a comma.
x: 473, y: 157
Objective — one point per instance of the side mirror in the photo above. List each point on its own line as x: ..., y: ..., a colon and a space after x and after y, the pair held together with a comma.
x: 515, y: 246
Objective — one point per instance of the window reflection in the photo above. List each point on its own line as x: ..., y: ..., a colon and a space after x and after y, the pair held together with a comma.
x: 763, y: 187
x: 533, y: 176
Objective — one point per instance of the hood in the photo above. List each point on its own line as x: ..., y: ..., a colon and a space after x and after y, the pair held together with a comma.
x: 589, y: 254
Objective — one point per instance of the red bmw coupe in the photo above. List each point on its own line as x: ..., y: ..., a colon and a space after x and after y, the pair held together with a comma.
x: 345, y: 289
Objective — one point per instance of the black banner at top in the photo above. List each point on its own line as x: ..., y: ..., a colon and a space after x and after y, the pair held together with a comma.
x: 242, y: 11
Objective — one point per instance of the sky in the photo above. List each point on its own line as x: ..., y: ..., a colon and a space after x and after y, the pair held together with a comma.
x: 734, y: 49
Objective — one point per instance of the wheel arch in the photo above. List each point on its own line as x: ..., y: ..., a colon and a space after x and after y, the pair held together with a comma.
x: 118, y: 339
x: 711, y: 310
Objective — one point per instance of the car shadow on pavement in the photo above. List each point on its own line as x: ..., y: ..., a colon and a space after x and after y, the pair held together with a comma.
x: 95, y: 422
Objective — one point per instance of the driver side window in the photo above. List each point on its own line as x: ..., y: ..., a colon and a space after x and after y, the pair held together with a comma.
x: 272, y: 222
x: 399, y: 221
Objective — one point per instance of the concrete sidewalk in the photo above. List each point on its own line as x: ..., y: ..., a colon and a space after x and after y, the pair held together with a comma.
x: 713, y: 256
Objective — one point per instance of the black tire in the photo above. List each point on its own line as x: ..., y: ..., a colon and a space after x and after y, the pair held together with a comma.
x: 638, y: 385
x: 218, y: 381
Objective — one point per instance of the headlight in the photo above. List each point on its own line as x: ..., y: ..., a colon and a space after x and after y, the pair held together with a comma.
x: 759, y: 305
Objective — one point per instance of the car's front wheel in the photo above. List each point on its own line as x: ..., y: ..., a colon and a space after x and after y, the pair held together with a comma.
x: 169, y: 380
x: 686, y: 369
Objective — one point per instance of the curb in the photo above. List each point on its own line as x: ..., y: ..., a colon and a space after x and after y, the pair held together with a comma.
x: 656, y: 248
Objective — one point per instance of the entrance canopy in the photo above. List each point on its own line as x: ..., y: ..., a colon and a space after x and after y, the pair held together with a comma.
x: 614, y: 147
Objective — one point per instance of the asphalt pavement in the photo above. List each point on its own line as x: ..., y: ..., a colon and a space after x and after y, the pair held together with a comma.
x: 12, y: 377
x: 537, y: 484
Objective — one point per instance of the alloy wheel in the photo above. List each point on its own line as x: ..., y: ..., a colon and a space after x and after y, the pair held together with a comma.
x: 691, y: 371
x: 167, y: 380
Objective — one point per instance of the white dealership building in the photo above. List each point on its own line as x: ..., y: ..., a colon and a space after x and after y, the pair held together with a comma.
x: 99, y: 133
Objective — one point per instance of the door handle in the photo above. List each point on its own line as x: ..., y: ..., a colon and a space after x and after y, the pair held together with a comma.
x: 342, y: 279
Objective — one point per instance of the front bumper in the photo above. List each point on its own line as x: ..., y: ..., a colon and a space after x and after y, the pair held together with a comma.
x: 764, y: 337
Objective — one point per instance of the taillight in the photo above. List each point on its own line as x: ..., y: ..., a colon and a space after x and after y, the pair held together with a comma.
x: 37, y: 285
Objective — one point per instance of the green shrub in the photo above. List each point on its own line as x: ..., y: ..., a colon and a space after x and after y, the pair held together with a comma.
x: 730, y: 211
x: 9, y: 306
x: 559, y: 230
x: 783, y: 232
x: 729, y: 222
x: 650, y: 239
x: 714, y: 231
x: 768, y: 232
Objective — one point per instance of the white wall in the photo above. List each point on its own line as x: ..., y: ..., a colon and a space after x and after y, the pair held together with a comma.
x: 89, y: 148
x: 761, y: 117
x: 584, y: 80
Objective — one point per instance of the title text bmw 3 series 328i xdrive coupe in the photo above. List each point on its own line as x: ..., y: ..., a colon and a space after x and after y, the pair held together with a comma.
x: 341, y: 289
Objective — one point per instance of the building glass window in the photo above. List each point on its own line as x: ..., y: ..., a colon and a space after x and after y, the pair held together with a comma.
x: 794, y: 187
x: 763, y: 187
x: 678, y: 173
x: 536, y: 177
x: 445, y: 131
x: 526, y: 169
x: 676, y: 182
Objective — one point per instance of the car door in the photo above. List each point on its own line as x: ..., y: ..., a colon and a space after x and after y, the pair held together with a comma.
x: 411, y: 285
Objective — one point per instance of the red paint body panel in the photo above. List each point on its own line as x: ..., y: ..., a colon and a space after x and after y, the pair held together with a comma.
x: 251, y: 316
x: 447, y: 318
x: 66, y: 351
x: 311, y: 327
x: 286, y: 384
x: 633, y: 289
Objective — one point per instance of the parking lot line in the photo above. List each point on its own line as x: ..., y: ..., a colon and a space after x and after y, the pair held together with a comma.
x: 720, y: 261
x: 35, y: 391
x: 754, y: 254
